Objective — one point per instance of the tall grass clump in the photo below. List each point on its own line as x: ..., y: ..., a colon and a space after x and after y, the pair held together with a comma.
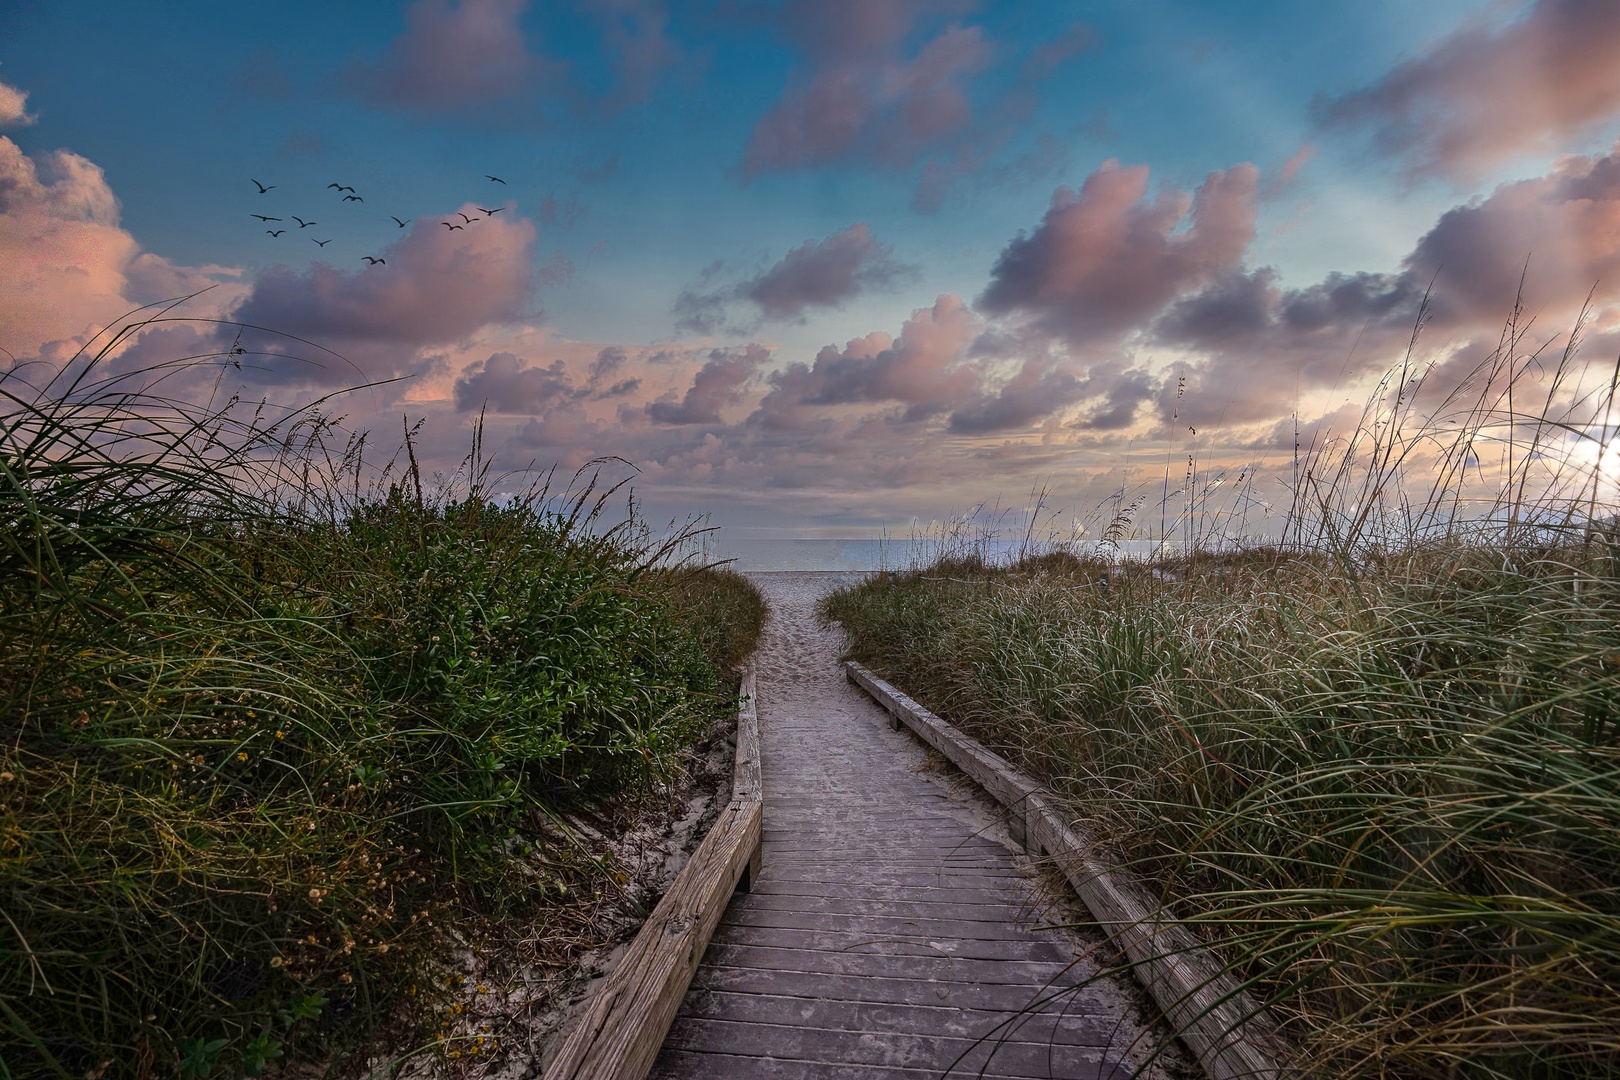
x: 273, y: 731
x: 1376, y: 765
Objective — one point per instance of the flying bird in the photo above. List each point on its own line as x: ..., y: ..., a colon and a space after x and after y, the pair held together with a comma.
x: 497, y: 179
x: 353, y: 198
x: 374, y: 262
x: 447, y: 225
x: 402, y: 224
x: 320, y: 243
x: 340, y: 187
x: 275, y: 232
x: 302, y: 224
x: 261, y: 217
x: 465, y: 218
x: 261, y: 187
x: 493, y: 212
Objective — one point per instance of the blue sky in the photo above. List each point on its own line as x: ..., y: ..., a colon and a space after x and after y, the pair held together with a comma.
x: 878, y: 261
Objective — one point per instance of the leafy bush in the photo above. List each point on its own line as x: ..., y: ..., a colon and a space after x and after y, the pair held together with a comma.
x: 266, y: 742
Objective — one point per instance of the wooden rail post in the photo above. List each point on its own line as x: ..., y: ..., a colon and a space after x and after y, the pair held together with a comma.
x: 618, y: 1032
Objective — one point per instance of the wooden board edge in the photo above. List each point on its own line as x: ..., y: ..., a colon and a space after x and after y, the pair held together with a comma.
x: 1220, y: 1023
x: 745, y: 778
x: 616, y: 1032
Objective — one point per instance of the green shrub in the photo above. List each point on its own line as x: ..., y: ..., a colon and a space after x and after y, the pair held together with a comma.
x: 267, y: 742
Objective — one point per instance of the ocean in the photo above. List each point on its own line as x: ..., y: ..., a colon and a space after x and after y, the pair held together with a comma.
x: 753, y: 554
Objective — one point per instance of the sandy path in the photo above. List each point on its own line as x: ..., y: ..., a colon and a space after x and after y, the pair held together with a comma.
x: 892, y: 932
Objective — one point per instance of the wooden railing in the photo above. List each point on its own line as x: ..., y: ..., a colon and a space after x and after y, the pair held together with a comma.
x: 616, y: 1034
x: 1225, y: 1028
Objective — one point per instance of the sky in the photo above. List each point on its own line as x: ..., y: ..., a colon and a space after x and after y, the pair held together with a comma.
x: 816, y: 268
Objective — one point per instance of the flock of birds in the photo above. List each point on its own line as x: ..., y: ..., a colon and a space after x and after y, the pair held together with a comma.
x: 350, y: 195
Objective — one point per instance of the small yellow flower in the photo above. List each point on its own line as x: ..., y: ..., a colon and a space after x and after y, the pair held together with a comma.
x: 281, y: 734
x: 241, y: 755
x: 455, y: 1054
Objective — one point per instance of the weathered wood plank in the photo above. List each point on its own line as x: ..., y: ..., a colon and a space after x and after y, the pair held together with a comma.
x: 1061, y: 996
x: 954, y: 925
x: 746, y: 783
x: 928, y: 1018
x: 944, y: 968
x: 710, y: 1065
x: 618, y: 1035
x: 895, y: 1049
x: 1221, y: 1023
x: 896, y: 942
x: 618, y: 1032
x: 890, y: 927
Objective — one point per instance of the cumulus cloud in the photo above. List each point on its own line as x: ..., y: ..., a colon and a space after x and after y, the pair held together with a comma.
x: 925, y: 369
x: 14, y: 107
x: 67, y: 266
x: 1107, y: 258
x: 503, y: 383
x: 1033, y: 393
x: 437, y: 287
x: 1545, y: 243
x: 817, y: 273
x: 719, y: 384
x: 1483, y: 95
x: 861, y: 94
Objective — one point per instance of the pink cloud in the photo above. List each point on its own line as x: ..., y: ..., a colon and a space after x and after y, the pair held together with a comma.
x: 1556, y: 237
x: 862, y: 96
x: 454, y: 56
x: 1105, y: 259
x: 436, y: 287
x: 1564, y: 227
x: 719, y: 384
x: 504, y: 383
x: 472, y: 57
x: 925, y: 369
x: 817, y: 273
x: 824, y: 273
x: 14, y: 107
x: 1480, y: 96
x: 67, y: 266
x: 1035, y: 391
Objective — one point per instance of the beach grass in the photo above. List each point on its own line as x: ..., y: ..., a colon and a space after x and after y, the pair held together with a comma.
x: 1375, y: 761
x: 279, y: 724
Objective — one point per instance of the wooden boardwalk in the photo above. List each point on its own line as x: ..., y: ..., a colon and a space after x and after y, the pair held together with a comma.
x: 887, y: 936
